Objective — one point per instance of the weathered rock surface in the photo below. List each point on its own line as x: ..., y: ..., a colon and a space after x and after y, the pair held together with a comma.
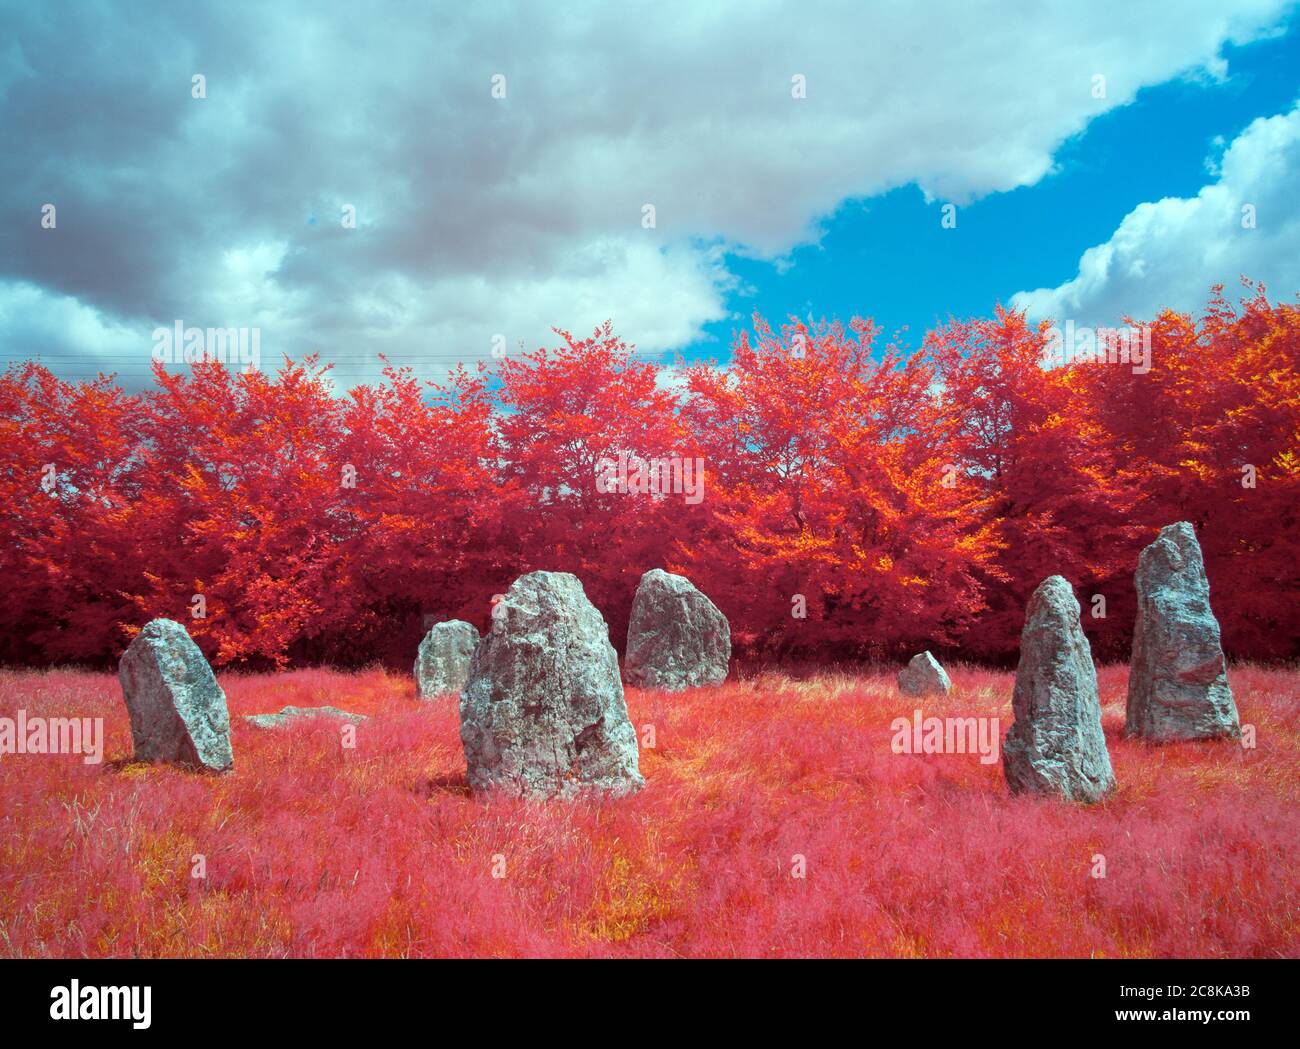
x: 291, y: 713
x: 543, y: 712
x: 1055, y: 745
x: 923, y: 676
x: 676, y: 637
x: 178, y: 711
x: 1178, y: 679
x: 442, y: 664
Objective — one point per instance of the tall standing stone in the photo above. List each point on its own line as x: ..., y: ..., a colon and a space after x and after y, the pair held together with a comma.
x: 924, y: 676
x: 1178, y: 680
x: 543, y: 712
x: 1055, y: 745
x: 676, y: 638
x: 178, y: 711
x: 442, y: 663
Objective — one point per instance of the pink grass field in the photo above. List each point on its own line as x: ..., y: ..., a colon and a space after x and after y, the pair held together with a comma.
x: 312, y: 849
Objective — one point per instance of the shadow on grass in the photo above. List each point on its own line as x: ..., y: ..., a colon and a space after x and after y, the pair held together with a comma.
x: 457, y: 785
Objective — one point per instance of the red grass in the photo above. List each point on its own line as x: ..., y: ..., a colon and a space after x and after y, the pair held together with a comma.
x: 316, y: 850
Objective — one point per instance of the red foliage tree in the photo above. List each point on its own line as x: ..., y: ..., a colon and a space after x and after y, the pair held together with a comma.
x: 70, y: 479
x: 837, y: 524
x: 569, y: 415
x: 1211, y: 435
x: 855, y: 502
x: 1058, y: 497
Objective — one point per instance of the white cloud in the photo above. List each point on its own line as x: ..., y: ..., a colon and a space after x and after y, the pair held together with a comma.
x: 479, y: 216
x: 1169, y: 252
x: 60, y: 332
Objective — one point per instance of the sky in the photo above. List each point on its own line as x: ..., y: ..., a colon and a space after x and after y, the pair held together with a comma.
x: 432, y: 182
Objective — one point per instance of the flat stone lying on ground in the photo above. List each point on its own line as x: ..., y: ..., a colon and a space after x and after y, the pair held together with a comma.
x: 676, y: 637
x: 923, y: 676
x: 1178, y: 678
x: 1055, y: 745
x: 291, y: 713
x: 178, y: 711
x: 442, y: 664
x: 542, y: 713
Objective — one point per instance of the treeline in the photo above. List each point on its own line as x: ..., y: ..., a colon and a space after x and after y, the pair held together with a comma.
x: 854, y: 502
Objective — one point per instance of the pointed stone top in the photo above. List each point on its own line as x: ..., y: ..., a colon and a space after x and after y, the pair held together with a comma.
x: 543, y: 576
x: 678, y: 584
x: 1174, y: 552
x: 923, y: 675
x: 161, y: 627
x: 530, y: 592
x: 1054, y: 584
x: 555, y: 582
x: 1053, y: 597
x: 450, y: 626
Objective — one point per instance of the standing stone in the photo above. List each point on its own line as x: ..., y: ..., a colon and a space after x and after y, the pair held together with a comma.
x: 676, y: 638
x: 1178, y: 679
x: 543, y: 711
x: 1055, y: 745
x: 178, y: 711
x: 442, y: 664
x: 923, y: 676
